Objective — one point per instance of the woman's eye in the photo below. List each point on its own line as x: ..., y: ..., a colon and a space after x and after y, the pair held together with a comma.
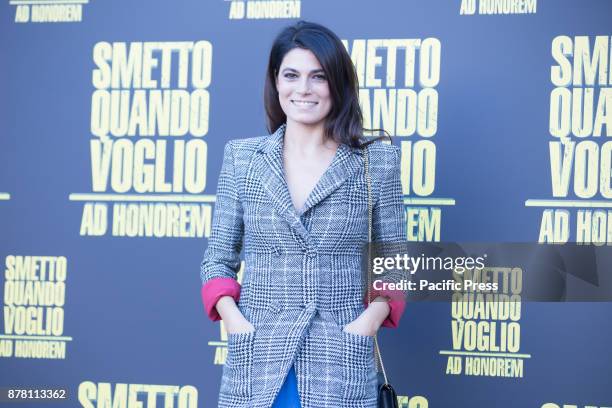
x: 319, y: 77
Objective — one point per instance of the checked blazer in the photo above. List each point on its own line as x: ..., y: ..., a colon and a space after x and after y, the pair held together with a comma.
x: 302, y: 281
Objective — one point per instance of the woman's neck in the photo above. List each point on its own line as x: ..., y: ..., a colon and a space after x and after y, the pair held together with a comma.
x: 305, y: 140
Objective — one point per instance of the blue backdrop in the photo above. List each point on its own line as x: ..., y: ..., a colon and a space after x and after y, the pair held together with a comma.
x: 498, y: 108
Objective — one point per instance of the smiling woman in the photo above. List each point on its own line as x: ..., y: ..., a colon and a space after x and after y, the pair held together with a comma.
x: 303, y: 93
x: 309, y: 68
x: 299, y: 331
x: 304, y: 96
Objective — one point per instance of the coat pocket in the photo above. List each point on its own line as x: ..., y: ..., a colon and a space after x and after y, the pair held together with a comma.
x: 237, y: 371
x: 358, y: 369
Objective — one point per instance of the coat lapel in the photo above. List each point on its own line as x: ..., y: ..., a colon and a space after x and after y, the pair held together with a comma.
x: 270, y: 171
x: 345, y: 163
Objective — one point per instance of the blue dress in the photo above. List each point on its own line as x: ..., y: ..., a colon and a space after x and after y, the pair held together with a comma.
x: 288, y: 396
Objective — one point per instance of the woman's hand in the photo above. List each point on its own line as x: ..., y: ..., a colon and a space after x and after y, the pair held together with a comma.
x: 241, y: 325
x: 233, y: 319
x: 368, y: 322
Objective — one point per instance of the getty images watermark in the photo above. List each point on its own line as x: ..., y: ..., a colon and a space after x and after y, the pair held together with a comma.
x: 410, y: 264
x: 540, y: 272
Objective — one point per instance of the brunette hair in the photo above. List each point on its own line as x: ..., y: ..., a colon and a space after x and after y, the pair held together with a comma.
x: 344, y: 122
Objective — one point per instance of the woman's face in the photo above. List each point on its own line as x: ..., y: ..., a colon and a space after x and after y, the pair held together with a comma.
x: 303, y: 91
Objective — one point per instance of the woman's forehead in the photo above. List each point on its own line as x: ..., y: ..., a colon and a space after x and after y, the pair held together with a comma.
x: 301, y: 60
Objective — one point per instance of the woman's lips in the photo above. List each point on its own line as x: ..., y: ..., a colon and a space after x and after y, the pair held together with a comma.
x: 298, y: 102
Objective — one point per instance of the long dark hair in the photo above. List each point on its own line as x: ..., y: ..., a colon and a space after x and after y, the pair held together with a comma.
x: 344, y: 122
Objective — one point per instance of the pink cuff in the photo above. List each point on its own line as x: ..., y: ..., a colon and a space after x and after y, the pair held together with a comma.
x: 395, y: 314
x: 216, y: 288
x: 396, y: 303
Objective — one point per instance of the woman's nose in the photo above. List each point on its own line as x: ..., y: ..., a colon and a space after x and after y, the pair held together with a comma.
x: 304, y: 86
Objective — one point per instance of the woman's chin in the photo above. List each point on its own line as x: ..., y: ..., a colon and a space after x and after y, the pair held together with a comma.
x: 305, y: 120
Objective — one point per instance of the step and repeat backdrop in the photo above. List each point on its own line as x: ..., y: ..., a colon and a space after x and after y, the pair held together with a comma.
x: 113, y: 119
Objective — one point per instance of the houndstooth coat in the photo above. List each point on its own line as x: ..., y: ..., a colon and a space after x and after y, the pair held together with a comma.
x: 302, y: 280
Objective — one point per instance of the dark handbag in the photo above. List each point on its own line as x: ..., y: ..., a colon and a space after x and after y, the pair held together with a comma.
x: 387, y: 398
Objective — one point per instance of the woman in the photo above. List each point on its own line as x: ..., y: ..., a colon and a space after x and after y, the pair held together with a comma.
x: 299, y: 333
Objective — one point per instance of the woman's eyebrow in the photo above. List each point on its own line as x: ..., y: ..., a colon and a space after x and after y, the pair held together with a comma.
x: 314, y: 71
